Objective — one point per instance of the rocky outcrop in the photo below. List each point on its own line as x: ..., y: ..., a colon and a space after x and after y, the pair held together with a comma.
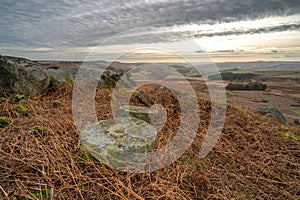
x: 249, y: 86
x: 273, y: 112
x: 61, y: 74
x: 111, y: 77
x: 22, y: 76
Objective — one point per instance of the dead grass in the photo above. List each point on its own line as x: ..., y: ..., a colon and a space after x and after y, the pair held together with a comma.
x: 250, y: 161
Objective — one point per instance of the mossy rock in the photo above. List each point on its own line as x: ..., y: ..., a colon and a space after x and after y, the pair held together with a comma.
x: 69, y: 80
x: 39, y: 129
x: 119, y: 142
x: 53, y: 82
x: 143, y: 113
x: 131, y: 91
x: 110, y: 79
x: 110, y: 147
x: 4, y: 121
x: 21, y: 109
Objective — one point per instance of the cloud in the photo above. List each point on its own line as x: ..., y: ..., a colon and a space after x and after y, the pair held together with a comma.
x: 252, y: 31
x: 75, y: 23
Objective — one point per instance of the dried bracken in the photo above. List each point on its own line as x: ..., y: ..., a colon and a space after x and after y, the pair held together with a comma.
x: 250, y: 161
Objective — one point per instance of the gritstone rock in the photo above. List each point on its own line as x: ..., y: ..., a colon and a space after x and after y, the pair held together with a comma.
x: 28, y: 80
x: 116, y: 141
x: 274, y: 112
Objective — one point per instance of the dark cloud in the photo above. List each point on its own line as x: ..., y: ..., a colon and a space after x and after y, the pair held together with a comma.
x: 73, y: 23
x: 252, y: 31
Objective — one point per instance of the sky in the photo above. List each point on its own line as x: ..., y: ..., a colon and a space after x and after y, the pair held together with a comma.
x: 151, y: 30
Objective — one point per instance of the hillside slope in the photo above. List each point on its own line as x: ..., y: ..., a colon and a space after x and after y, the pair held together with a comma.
x: 252, y: 160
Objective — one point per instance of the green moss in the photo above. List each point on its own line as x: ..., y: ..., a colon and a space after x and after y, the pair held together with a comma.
x: 290, y: 135
x: 69, y: 80
x: 93, y: 146
x: 19, y: 97
x: 3, y: 99
x: 131, y: 109
x: 131, y: 91
x: 39, y: 129
x: 114, y: 157
x: 200, y: 99
x: 53, y: 82
x: 110, y: 147
x: 4, y: 121
x: 56, y: 103
x: 21, y: 109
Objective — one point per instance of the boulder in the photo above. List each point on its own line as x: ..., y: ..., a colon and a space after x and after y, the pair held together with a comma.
x: 274, y: 112
x: 61, y: 74
x: 110, y: 78
x: 27, y: 80
x: 117, y: 141
x: 143, y: 113
x: 145, y: 98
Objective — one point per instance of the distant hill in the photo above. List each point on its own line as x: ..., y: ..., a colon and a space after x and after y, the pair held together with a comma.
x: 260, y: 65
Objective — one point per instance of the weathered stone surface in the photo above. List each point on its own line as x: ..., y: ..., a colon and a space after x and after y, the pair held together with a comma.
x: 61, y: 74
x: 27, y: 80
x: 274, y: 112
x: 145, y: 98
x: 116, y: 141
x: 143, y: 113
x: 110, y: 78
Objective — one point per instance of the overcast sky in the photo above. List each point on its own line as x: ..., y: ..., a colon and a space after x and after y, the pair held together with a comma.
x: 69, y: 29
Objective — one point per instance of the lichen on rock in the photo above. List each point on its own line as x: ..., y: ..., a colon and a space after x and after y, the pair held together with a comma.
x: 143, y: 113
x: 120, y: 141
x: 28, y: 78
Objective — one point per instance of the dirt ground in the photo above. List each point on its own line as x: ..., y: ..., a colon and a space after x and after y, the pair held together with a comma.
x: 285, y: 96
